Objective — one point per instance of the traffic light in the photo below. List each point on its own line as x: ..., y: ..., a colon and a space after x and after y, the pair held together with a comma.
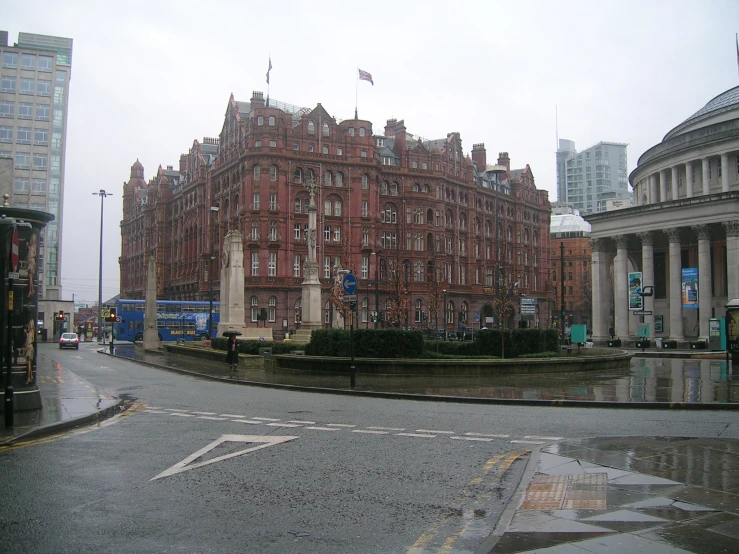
x: 60, y: 315
x: 382, y: 316
x: 567, y: 320
x: 111, y: 314
x: 424, y: 316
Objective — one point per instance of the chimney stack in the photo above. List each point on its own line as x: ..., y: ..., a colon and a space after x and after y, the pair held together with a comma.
x: 257, y: 99
x: 390, y: 127
x: 479, y: 156
x: 183, y: 164
x: 400, y: 138
x: 504, y: 160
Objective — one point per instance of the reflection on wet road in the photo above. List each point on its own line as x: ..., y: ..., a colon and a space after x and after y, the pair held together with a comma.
x: 647, y: 380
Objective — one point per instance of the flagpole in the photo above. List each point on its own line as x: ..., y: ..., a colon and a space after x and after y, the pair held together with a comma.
x: 270, y: 68
x: 356, y: 94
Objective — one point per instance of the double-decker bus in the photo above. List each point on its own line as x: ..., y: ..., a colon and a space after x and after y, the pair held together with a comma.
x: 176, y: 319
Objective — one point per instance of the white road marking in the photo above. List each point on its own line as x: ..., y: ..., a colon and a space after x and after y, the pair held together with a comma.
x: 388, y: 428
x: 487, y: 435
x: 369, y: 432
x: 529, y: 442
x: 543, y: 438
x: 248, y: 421
x: 205, y: 413
x: 434, y: 431
x: 183, y: 415
x: 302, y: 422
x: 283, y: 425
x: 154, y: 412
x: 173, y: 410
x: 323, y: 428
x: 187, y: 464
x: 339, y: 425
x: 154, y: 407
x: 472, y: 439
x: 212, y: 418
x: 416, y: 435
x: 266, y: 418
x: 231, y: 415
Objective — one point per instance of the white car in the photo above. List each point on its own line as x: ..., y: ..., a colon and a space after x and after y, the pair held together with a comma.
x: 70, y: 340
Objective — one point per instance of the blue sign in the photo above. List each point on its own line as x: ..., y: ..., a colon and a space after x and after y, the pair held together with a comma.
x: 349, y: 283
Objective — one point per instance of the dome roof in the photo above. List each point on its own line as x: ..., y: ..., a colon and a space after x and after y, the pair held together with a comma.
x: 725, y: 101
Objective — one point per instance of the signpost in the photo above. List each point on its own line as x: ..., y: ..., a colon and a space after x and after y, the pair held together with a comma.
x: 641, y: 312
x: 349, y: 284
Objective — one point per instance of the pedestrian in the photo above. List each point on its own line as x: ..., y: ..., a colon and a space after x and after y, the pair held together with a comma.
x: 30, y: 337
x: 232, y: 353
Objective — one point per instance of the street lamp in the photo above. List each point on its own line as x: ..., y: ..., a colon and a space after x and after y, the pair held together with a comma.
x: 377, y: 293
x: 102, y: 194
x: 213, y: 211
x: 444, y: 308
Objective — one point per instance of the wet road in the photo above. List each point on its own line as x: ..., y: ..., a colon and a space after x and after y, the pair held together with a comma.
x: 181, y: 472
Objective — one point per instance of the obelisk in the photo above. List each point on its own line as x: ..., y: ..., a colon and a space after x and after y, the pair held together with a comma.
x: 151, y: 336
x: 231, y: 306
x: 311, y: 297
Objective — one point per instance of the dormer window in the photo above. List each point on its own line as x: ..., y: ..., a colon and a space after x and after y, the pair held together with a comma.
x: 311, y: 128
x: 325, y: 129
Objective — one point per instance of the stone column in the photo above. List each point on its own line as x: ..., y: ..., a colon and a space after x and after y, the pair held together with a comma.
x: 151, y: 335
x: 732, y: 257
x: 674, y: 183
x: 704, y: 278
x: 663, y: 186
x: 724, y: 173
x: 676, y: 308
x: 647, y: 263
x: 689, y: 179
x: 653, y: 191
x: 705, y: 179
x: 621, y: 279
x: 232, y: 306
x: 600, y: 290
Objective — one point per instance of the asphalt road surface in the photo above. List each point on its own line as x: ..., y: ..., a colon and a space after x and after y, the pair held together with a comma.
x: 202, y: 466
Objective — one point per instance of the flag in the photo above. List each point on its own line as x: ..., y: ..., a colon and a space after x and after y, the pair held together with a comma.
x: 736, y: 36
x: 269, y: 69
x: 364, y: 76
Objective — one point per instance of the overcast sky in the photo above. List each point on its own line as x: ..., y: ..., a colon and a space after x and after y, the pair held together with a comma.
x: 150, y: 77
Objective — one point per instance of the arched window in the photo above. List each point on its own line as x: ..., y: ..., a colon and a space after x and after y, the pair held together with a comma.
x: 509, y: 234
x: 365, y: 181
x: 351, y: 131
x: 394, y: 188
x: 339, y: 180
x: 361, y: 131
x: 383, y: 187
x: 311, y: 128
x: 324, y: 150
x: 337, y: 208
x: 256, y: 173
x: 272, y: 120
x: 325, y: 129
x: 298, y: 175
x: 298, y: 205
x: 389, y: 214
x: 271, y: 311
x: 254, y: 308
x: 339, y: 151
x: 415, y: 187
x: 260, y: 120
x: 425, y: 188
x: 327, y: 206
x: 273, y: 173
x: 309, y: 175
x: 327, y: 178
x: 272, y: 230
x: 429, y: 216
x: 418, y: 273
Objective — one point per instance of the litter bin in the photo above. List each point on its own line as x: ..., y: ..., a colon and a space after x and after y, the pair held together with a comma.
x: 658, y: 341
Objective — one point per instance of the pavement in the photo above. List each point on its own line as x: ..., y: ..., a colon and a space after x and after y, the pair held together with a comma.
x: 599, y: 495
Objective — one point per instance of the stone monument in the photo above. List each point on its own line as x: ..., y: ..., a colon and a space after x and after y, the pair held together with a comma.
x: 311, y: 297
x: 151, y: 335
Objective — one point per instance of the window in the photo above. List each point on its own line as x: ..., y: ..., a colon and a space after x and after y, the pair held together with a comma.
x: 23, y: 136
x: 28, y: 61
x: 6, y: 134
x: 296, y: 231
x: 351, y: 131
x: 272, y: 270
x: 255, y: 201
x: 7, y: 109
x: 339, y: 180
x: 273, y: 173
x: 46, y: 64
x: 254, y: 230
x: 10, y: 60
x: 271, y: 121
x: 257, y: 144
x: 296, y: 146
x: 38, y: 186
x: 325, y: 150
x: 20, y: 185
x: 296, y: 265
x: 325, y: 129
x: 298, y: 175
x: 337, y: 233
x: 43, y: 87
x: 365, y: 181
x: 310, y: 148
x: 39, y: 162
x: 256, y: 173
x: 337, y: 208
x: 260, y: 120
x: 254, y: 266
x: 424, y: 165
x: 41, y: 137
x: 363, y: 154
x: 254, y: 306
x: 273, y: 202
x: 361, y: 131
x: 6, y: 154
x: 327, y: 267
x: 415, y: 165
x: 273, y: 144
x: 43, y: 112
x: 365, y: 208
x: 327, y: 233
x: 298, y: 206
x: 7, y: 84
x: 311, y: 128
x: 327, y: 178
x: 339, y: 151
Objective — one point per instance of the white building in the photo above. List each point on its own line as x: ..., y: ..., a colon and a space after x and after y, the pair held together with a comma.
x: 683, y: 231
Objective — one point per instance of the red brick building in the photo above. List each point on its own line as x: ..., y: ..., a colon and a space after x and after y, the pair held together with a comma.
x: 386, y: 201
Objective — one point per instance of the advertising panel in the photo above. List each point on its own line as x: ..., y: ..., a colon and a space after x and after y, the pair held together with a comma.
x: 690, y: 287
x: 636, y: 302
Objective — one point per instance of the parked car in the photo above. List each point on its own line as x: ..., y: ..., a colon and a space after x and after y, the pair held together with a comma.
x: 69, y: 340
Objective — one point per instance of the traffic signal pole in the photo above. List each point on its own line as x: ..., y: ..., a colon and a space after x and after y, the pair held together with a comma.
x: 562, y: 288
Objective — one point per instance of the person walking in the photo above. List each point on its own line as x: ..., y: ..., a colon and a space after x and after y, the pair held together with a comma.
x: 232, y: 353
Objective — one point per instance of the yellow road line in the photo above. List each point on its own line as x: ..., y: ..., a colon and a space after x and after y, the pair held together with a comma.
x: 469, y: 492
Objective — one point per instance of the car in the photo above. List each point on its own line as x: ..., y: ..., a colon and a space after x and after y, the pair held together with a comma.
x: 70, y: 340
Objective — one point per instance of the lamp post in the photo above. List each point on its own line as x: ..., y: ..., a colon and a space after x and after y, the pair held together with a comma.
x: 103, y: 195
x: 443, y: 307
x: 213, y: 210
x: 377, y: 293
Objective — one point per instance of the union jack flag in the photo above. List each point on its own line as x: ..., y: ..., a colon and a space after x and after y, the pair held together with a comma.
x: 366, y: 76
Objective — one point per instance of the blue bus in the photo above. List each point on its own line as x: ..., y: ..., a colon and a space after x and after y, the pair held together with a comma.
x: 176, y: 319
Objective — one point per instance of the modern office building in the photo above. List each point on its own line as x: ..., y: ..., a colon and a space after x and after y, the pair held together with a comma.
x: 411, y: 217
x: 34, y: 95
x: 681, y: 237
x: 589, y: 179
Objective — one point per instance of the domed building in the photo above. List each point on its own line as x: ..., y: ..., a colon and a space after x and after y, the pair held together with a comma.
x: 681, y: 235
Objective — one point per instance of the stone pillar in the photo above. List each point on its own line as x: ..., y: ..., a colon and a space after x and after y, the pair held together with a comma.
x: 600, y: 290
x: 689, y: 179
x: 704, y: 279
x: 151, y: 335
x: 621, y: 288
x: 675, y: 279
x: 311, y: 293
x: 653, y: 191
x: 705, y: 179
x: 232, y: 309
x: 647, y: 263
x: 663, y: 186
x: 674, y: 182
x: 732, y: 257
x: 724, y: 173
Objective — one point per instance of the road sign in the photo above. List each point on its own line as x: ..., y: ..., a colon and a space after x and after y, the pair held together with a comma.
x: 118, y: 319
x: 349, y: 284
x: 350, y: 298
x: 105, y: 312
x: 14, y: 251
x: 641, y: 312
